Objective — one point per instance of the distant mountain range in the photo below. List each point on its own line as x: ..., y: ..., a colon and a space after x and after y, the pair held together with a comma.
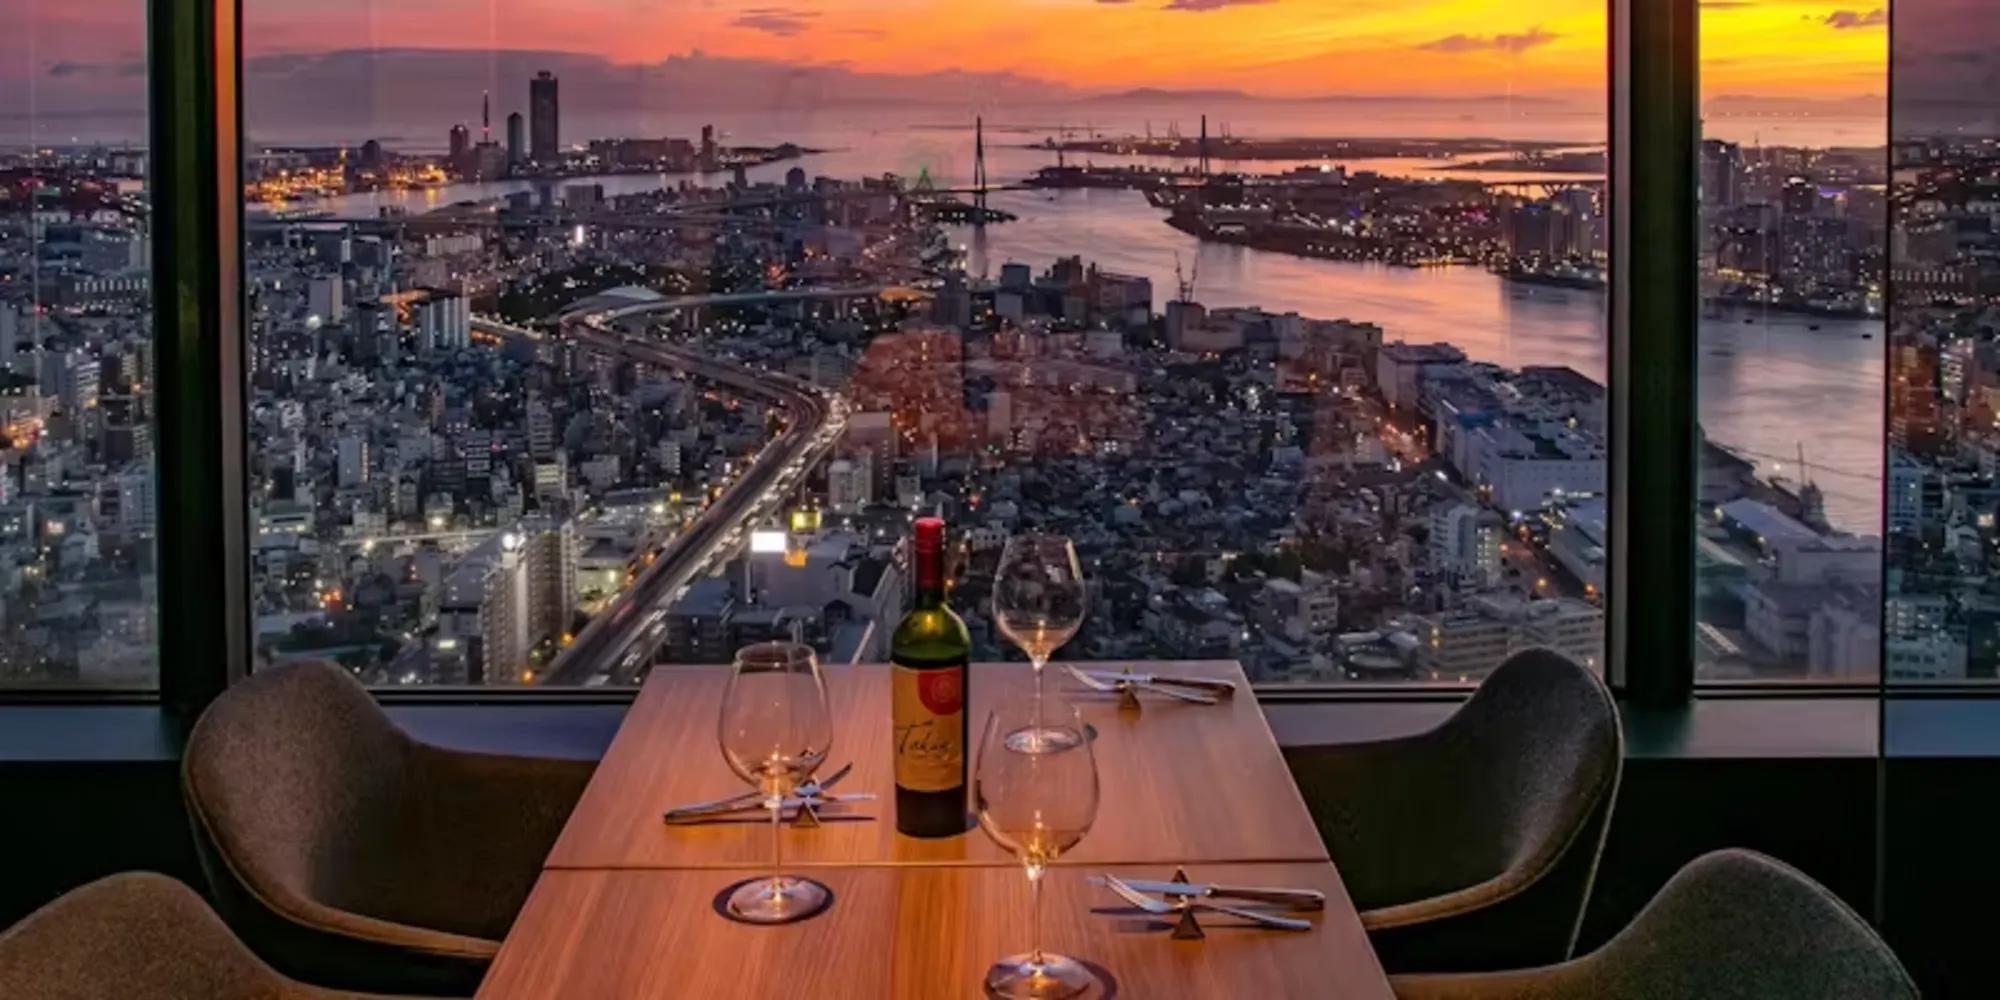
x: 1741, y: 105
x: 1156, y: 95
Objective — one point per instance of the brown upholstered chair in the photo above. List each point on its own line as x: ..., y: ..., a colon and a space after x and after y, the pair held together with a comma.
x: 1732, y: 925
x: 137, y: 937
x: 1473, y: 846
x: 348, y: 853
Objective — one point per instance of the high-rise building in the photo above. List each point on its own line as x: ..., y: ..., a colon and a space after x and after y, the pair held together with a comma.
x: 1721, y: 173
x: 325, y: 299
x: 353, y: 460
x: 1465, y: 545
x: 461, y: 146
x: 10, y: 333
x: 849, y: 486
x: 517, y: 148
x: 1801, y: 196
x: 444, y: 323
x: 541, y: 430
x: 708, y: 150
x: 544, y: 118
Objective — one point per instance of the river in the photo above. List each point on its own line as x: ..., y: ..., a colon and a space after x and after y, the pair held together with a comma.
x: 1770, y: 383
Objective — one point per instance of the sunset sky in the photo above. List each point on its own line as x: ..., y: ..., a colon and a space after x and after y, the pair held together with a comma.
x: 1790, y: 48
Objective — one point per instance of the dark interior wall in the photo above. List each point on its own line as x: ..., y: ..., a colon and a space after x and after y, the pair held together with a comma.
x: 1942, y: 869
x: 63, y: 824
x: 1816, y: 814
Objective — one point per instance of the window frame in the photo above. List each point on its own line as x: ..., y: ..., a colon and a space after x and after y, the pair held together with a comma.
x: 196, y: 150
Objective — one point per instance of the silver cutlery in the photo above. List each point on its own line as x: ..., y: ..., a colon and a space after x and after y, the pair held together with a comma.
x: 754, y: 799
x: 792, y: 804
x: 1185, y: 909
x: 1219, y: 688
x: 1125, y: 684
x: 1296, y: 899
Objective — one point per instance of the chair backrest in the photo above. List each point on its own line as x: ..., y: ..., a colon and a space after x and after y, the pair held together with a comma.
x: 287, y: 776
x: 1541, y: 748
x: 129, y: 937
x: 1530, y: 764
x: 1736, y: 925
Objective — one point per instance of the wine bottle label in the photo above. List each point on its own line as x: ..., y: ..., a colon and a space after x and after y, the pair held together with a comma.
x: 930, y: 729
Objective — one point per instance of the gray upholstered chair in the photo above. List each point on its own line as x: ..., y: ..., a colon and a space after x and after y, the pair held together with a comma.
x: 1732, y: 925
x: 1473, y: 846
x: 348, y: 853
x: 137, y: 937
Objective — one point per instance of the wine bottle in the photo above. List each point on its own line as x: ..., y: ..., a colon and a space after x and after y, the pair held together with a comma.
x: 929, y: 653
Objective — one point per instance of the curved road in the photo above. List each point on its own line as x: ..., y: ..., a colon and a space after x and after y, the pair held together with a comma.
x: 631, y: 626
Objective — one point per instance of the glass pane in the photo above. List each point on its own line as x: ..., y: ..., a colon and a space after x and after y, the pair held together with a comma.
x: 1941, y: 620
x: 1291, y: 314
x: 77, y: 585
x: 1794, y: 175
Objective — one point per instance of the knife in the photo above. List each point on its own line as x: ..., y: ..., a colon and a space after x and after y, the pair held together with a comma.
x: 711, y: 811
x: 1223, y: 688
x: 755, y: 799
x: 1297, y: 899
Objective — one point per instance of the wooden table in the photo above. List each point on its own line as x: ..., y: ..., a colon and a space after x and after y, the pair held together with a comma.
x: 913, y: 933
x: 625, y: 906
x: 1179, y: 782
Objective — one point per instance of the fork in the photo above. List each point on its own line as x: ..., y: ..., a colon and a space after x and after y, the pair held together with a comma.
x: 1158, y: 908
x: 810, y: 790
x: 1096, y: 684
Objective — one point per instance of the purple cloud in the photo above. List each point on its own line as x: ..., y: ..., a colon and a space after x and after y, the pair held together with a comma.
x: 70, y: 68
x: 1201, y: 6
x: 1533, y: 38
x: 781, y: 21
x: 1844, y: 19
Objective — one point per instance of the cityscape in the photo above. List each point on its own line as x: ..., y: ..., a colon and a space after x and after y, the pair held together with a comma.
x: 535, y: 405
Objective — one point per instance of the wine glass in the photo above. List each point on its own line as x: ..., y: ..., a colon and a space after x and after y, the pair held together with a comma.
x: 1036, y: 798
x: 1039, y: 598
x: 775, y: 730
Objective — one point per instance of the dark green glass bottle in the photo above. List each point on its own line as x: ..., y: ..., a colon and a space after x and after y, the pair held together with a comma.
x: 930, y: 652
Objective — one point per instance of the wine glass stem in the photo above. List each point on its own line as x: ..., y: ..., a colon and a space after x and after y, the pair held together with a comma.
x: 1035, y: 873
x: 777, y: 842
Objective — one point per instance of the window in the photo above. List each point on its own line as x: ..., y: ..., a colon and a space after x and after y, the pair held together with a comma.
x: 577, y: 345
x: 77, y: 586
x: 1794, y: 247
x: 1939, y: 618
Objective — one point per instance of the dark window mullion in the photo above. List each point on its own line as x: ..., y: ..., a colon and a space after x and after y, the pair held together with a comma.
x: 193, y: 49
x: 1655, y: 143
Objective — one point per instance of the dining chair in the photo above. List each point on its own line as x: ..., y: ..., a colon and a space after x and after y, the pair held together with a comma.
x: 1473, y: 846
x: 137, y: 936
x: 350, y: 854
x: 1732, y: 925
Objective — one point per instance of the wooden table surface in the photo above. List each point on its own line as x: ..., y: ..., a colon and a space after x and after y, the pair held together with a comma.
x: 914, y: 933
x: 1180, y: 783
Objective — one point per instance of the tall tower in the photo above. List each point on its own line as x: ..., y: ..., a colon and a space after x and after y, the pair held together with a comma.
x: 485, y: 116
x: 979, y: 171
x: 517, y: 140
x: 544, y: 125
x: 1203, y: 148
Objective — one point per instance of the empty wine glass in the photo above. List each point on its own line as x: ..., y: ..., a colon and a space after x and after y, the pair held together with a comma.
x: 775, y: 729
x: 1039, y: 599
x: 1036, y: 798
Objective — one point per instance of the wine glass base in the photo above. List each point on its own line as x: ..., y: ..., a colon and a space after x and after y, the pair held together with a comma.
x: 1042, y: 739
x: 780, y: 899
x: 1021, y: 977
